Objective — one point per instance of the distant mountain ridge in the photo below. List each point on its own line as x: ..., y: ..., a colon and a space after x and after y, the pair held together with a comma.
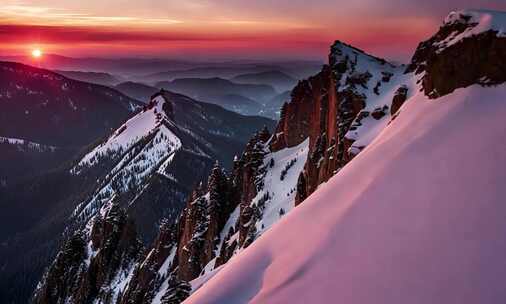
x: 45, y: 107
x: 206, y: 88
x: 159, y: 69
x: 279, y: 80
x: 102, y: 78
x: 229, y: 70
x: 139, y: 91
x: 247, y: 99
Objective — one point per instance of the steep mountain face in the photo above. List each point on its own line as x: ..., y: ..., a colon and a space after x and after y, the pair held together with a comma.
x: 47, y: 108
x: 347, y: 138
x: 163, y: 151
x: 360, y: 229
x: 147, y: 167
x: 272, y: 175
x: 362, y: 238
x: 150, y: 163
x: 341, y: 110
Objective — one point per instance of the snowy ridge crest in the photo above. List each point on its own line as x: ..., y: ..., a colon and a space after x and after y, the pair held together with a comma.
x: 476, y: 22
x: 141, y: 147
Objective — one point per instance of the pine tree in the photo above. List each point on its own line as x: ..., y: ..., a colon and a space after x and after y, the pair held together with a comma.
x: 284, y: 109
x: 217, y: 187
x: 264, y: 134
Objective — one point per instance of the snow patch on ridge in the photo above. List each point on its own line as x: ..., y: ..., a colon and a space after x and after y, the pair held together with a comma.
x: 479, y: 21
x: 25, y: 143
x: 280, y: 183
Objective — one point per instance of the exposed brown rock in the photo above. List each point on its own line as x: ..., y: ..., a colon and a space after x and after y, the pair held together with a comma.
x: 145, y: 278
x: 473, y: 60
x: 399, y: 98
x: 116, y: 246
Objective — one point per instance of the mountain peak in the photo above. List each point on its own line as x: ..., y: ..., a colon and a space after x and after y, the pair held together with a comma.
x: 483, y: 20
x: 469, y: 23
x: 467, y: 49
x: 339, y: 51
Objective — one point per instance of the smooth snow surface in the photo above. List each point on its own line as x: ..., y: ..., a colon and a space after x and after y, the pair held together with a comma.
x: 418, y: 217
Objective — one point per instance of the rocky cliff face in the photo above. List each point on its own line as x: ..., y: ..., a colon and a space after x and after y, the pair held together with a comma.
x: 356, y: 92
x: 92, y: 262
x: 472, y: 39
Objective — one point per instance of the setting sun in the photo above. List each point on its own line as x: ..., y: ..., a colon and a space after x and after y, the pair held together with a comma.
x: 36, y: 53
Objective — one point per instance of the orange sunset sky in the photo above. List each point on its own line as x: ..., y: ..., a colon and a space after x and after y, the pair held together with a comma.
x: 220, y: 28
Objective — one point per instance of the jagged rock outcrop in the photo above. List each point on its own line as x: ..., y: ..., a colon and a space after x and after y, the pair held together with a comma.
x: 149, y: 273
x: 208, y: 210
x: 339, y: 95
x: 201, y: 224
x: 400, y: 97
x: 89, y: 263
x: 466, y: 39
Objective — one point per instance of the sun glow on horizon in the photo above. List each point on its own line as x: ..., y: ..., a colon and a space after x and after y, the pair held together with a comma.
x: 36, y: 53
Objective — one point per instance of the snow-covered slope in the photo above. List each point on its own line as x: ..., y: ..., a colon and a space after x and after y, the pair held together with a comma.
x: 142, y: 145
x: 142, y: 125
x: 217, y: 223
x: 166, y: 148
x: 417, y: 217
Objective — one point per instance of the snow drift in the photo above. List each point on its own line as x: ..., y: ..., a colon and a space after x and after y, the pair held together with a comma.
x: 417, y: 217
